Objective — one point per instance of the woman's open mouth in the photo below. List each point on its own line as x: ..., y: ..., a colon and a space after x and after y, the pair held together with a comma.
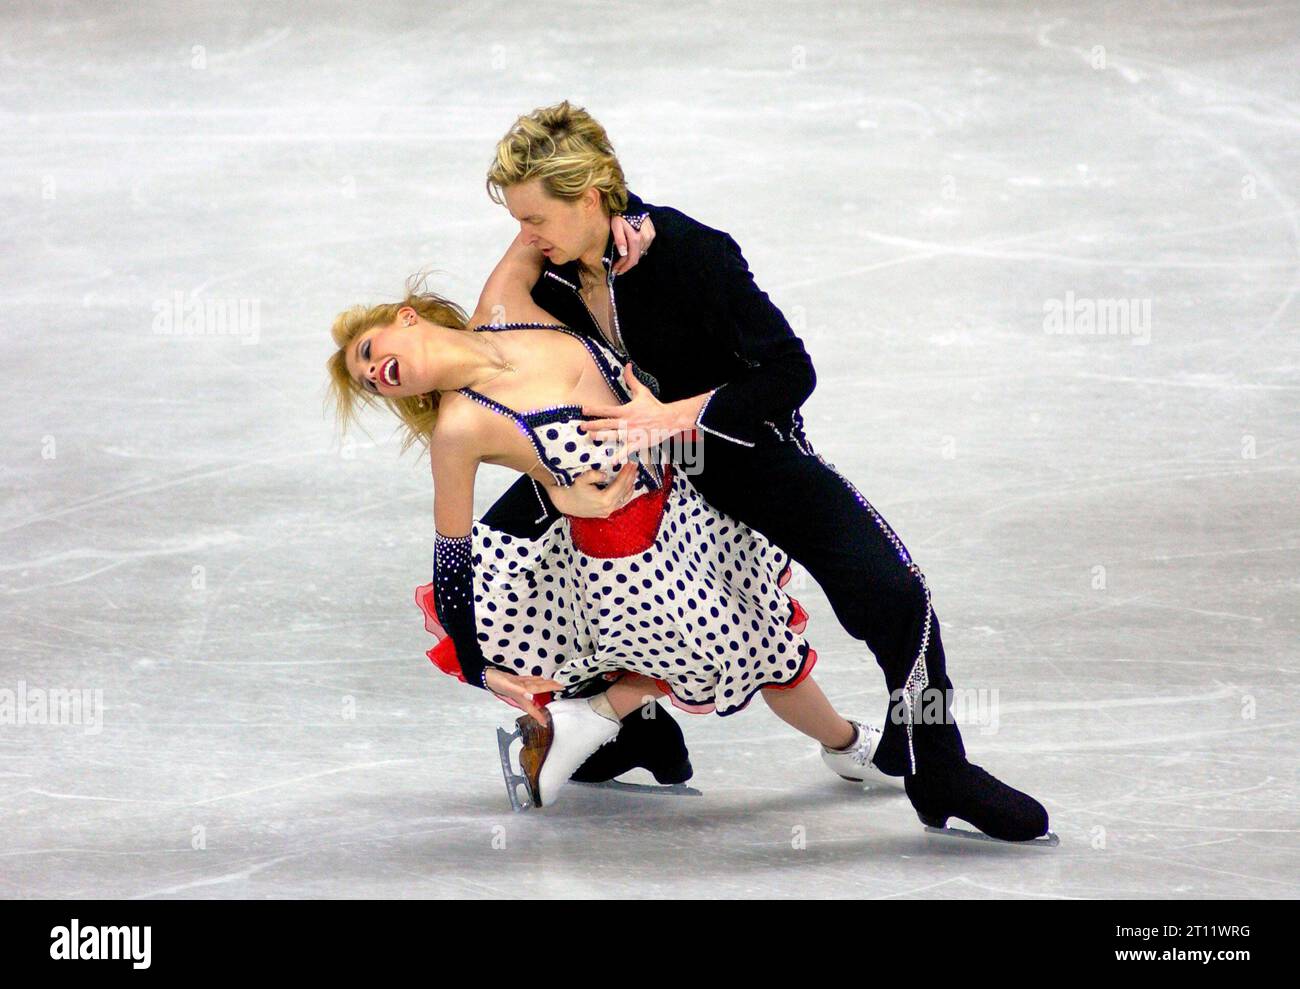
x: 390, y: 373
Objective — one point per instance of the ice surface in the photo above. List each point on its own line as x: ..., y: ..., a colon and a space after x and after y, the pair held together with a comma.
x: 1108, y: 523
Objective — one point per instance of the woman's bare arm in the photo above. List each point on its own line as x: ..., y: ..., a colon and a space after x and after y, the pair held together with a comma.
x: 456, y: 450
x: 507, y: 297
x: 454, y: 456
x: 454, y: 453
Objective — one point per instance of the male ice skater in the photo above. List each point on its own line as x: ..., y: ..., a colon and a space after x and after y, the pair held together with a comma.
x: 719, y: 360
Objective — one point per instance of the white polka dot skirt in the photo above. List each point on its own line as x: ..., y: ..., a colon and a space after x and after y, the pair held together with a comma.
x: 701, y: 610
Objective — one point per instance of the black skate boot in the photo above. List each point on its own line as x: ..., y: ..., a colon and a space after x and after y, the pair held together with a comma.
x: 966, y: 791
x: 654, y: 743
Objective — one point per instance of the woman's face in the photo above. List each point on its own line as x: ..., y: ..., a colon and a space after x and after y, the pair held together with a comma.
x: 392, y: 360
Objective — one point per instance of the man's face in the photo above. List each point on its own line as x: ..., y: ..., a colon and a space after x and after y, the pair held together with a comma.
x: 561, y: 229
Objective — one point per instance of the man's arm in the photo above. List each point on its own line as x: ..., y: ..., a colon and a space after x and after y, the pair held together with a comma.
x: 779, y: 376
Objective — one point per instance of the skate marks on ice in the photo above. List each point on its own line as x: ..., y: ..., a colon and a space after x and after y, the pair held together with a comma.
x: 922, y: 311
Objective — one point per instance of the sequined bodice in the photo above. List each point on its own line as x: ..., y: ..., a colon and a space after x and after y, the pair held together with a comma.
x: 553, y: 431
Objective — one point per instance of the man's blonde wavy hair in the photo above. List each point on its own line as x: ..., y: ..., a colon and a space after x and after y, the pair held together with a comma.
x: 567, y: 149
x: 418, y: 413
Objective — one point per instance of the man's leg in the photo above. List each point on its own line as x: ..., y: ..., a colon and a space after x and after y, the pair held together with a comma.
x: 878, y: 594
x: 806, y: 709
x: 522, y: 511
x: 807, y: 508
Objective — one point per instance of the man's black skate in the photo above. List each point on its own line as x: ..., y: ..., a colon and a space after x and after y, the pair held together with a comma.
x: 654, y: 743
x: 966, y: 791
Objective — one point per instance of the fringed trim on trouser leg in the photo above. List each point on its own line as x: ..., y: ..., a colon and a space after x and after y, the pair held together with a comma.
x: 918, y: 677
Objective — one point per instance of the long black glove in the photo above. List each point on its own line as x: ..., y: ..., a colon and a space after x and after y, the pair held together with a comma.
x: 453, y: 596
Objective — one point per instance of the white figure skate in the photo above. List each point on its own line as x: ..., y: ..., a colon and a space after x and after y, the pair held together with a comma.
x: 551, y: 752
x: 854, y: 763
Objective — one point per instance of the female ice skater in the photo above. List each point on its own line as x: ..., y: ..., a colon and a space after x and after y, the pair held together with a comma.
x: 667, y: 595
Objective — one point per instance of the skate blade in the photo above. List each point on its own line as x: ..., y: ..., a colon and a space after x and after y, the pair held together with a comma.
x: 658, y: 789
x: 1049, y: 840
x: 514, y: 780
x: 876, y: 782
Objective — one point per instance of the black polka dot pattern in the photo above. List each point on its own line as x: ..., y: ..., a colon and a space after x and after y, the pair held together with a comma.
x: 701, y: 610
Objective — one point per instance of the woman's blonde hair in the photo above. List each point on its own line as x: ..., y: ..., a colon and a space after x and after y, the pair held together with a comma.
x: 417, y: 412
x: 567, y: 149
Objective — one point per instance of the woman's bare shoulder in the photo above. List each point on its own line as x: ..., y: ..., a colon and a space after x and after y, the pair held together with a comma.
x: 519, y: 309
x: 460, y: 430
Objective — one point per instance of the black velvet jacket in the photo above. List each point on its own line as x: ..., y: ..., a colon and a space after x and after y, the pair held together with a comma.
x: 691, y: 319
x: 690, y: 315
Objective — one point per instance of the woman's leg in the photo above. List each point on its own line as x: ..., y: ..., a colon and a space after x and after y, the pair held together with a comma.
x: 630, y: 692
x: 806, y: 709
